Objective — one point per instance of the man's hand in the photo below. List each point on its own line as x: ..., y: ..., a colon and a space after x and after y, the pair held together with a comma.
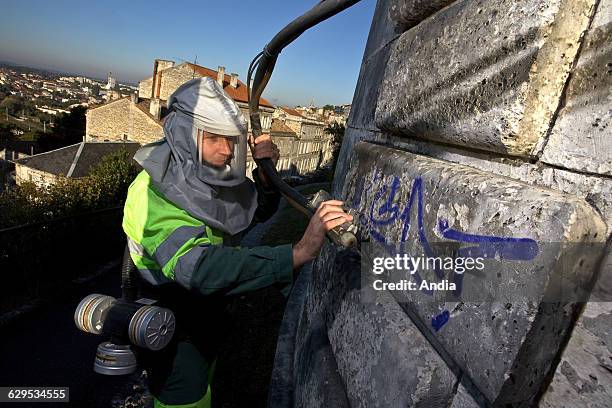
x: 265, y: 149
x: 329, y: 215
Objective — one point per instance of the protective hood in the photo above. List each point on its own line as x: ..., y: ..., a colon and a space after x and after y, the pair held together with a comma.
x: 221, y: 196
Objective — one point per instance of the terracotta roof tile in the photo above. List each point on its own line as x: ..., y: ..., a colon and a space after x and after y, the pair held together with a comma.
x: 238, y: 94
x: 292, y: 111
x: 279, y: 126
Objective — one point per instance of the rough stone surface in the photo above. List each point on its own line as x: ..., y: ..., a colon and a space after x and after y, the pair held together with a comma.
x: 382, y: 30
x: 378, y: 47
x: 382, y: 357
x: 351, y: 137
x: 282, y: 384
x: 317, y: 380
x: 498, y: 94
x: 584, y: 375
x: 581, y: 138
x: 366, y: 92
x: 463, y: 399
x: 407, y: 13
x: 597, y: 191
x: 120, y: 119
x: 458, y: 91
x: 494, y: 343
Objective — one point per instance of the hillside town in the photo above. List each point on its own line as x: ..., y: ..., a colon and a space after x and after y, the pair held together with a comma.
x: 118, y: 115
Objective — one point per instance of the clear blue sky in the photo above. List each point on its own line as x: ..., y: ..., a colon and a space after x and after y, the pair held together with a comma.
x: 125, y: 37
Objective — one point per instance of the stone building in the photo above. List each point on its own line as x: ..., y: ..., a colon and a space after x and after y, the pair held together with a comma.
x: 476, y: 127
x: 126, y: 119
x: 304, y: 127
x: 299, y: 155
x: 72, y: 161
x: 138, y: 118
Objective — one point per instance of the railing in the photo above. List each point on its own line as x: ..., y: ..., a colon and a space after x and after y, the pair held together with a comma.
x: 40, y: 257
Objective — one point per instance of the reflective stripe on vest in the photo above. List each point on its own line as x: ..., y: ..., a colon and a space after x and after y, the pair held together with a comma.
x: 147, y: 268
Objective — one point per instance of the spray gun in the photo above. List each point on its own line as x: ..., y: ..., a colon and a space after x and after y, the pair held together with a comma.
x: 128, y: 323
x: 263, y: 63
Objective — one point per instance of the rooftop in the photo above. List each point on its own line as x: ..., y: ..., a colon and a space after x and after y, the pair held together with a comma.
x: 60, y: 161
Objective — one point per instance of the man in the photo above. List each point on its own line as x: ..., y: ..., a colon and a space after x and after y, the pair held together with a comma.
x: 183, y: 216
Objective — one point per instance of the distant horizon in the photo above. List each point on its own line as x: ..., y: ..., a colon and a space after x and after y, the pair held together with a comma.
x: 104, y: 79
x: 92, y: 39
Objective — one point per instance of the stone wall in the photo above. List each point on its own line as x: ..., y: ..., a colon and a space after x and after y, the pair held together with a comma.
x: 38, y: 177
x: 472, y: 122
x: 299, y: 156
x: 121, y: 120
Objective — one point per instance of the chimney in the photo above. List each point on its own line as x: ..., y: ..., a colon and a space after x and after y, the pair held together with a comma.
x: 154, y: 79
x: 155, y: 108
x: 158, y: 67
x: 134, y: 97
x: 234, y: 81
x: 220, y: 75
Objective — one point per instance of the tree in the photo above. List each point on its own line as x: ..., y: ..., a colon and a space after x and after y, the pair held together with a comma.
x: 69, y: 129
x: 106, y: 186
x: 13, y: 104
x: 95, y: 89
x: 6, y: 134
x: 336, y: 130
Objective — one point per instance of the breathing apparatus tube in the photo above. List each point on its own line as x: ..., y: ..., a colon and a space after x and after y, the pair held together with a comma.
x: 264, y: 63
x: 128, y: 277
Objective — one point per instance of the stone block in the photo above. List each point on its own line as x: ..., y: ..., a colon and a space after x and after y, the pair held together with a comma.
x: 405, y: 14
x: 486, y: 75
x: 581, y: 138
x: 366, y: 92
x: 506, y: 348
x: 463, y: 399
x: 281, y: 390
x: 317, y: 380
x: 596, y: 190
x: 583, y: 377
x: 382, y: 30
x: 381, y: 355
x: 351, y: 137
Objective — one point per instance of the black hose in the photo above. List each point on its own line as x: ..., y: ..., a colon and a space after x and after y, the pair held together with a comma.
x: 129, y: 288
x: 265, y: 61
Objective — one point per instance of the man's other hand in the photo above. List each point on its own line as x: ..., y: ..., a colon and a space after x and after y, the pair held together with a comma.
x: 329, y: 215
x: 266, y: 149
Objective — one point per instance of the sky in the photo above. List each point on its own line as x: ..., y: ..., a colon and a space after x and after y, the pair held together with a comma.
x: 93, y: 38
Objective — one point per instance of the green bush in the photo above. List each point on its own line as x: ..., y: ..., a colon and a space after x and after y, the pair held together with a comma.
x: 105, y: 187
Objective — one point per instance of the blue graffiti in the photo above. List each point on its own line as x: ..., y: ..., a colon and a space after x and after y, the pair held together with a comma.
x: 484, y: 246
x: 440, y: 320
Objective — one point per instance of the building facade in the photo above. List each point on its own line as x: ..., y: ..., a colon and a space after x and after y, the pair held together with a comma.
x: 139, y: 118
